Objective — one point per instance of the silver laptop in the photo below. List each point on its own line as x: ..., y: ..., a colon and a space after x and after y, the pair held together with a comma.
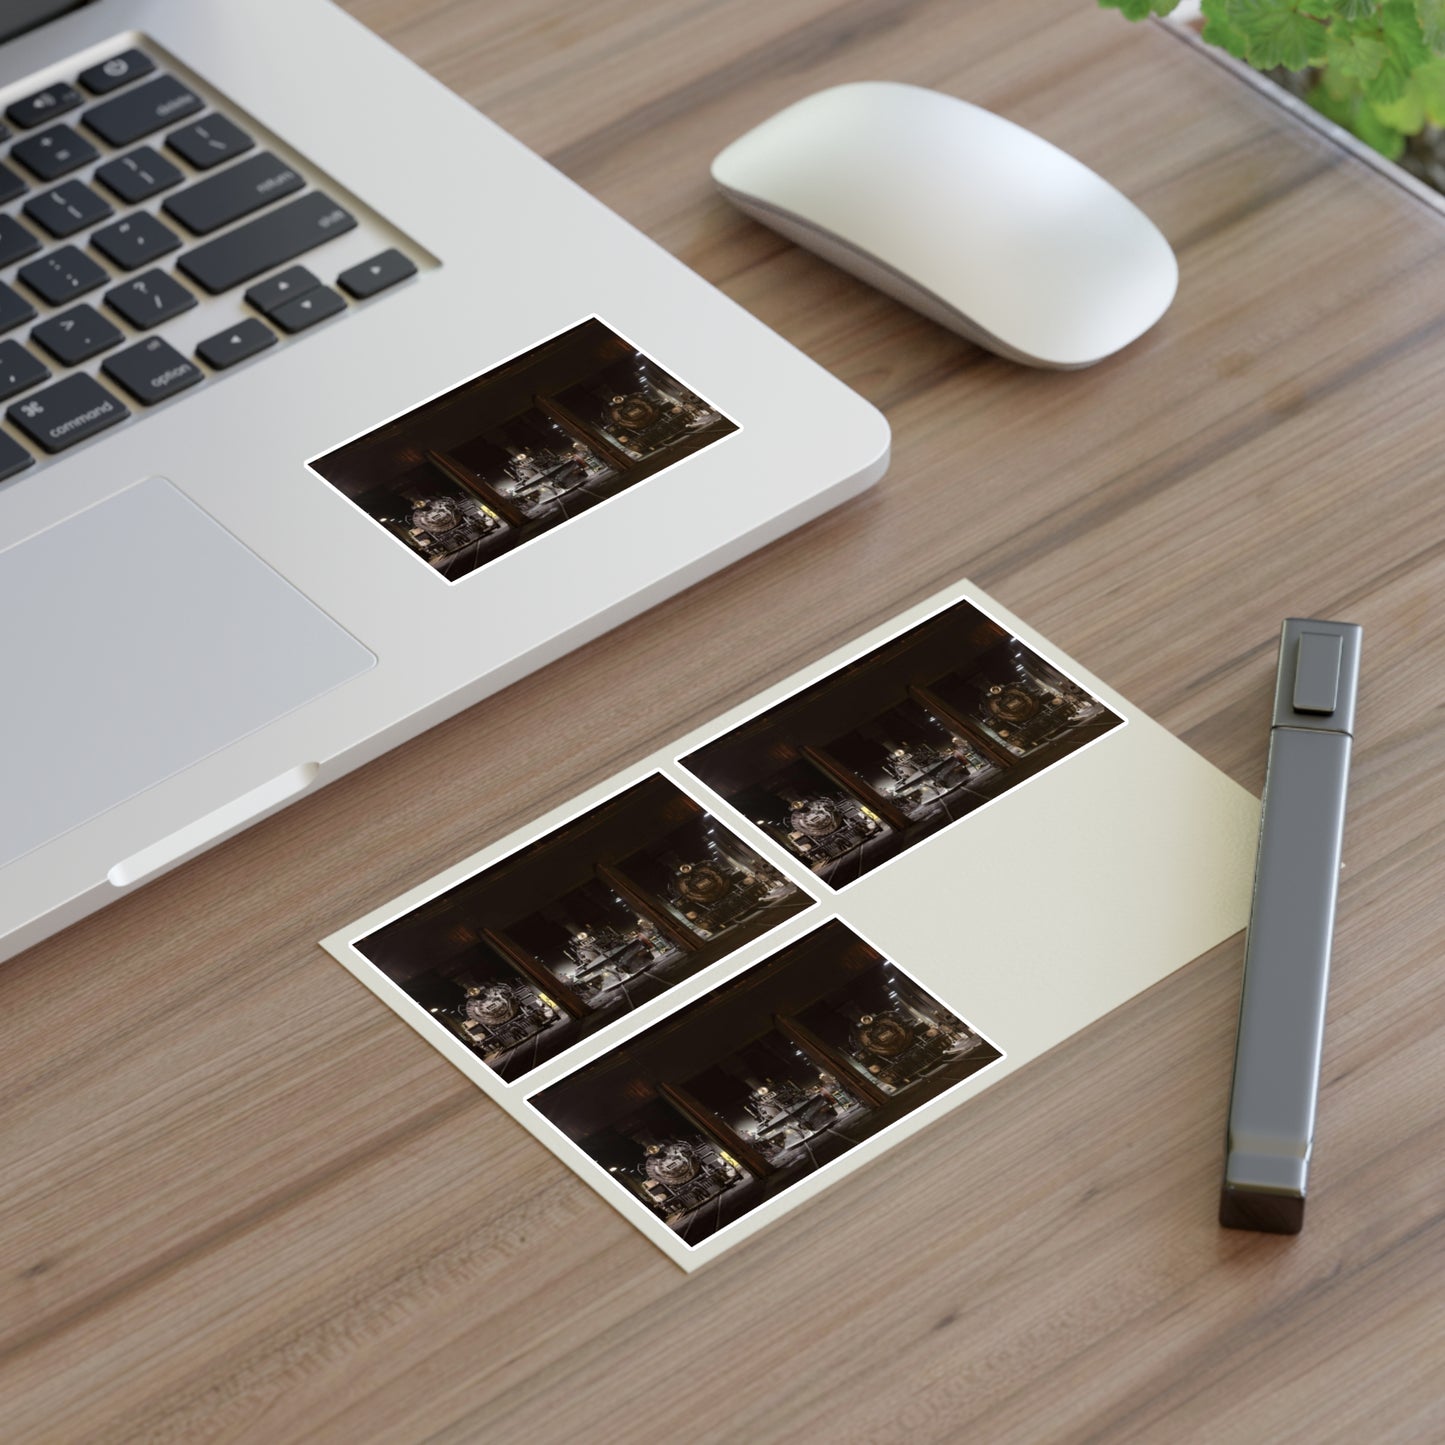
x: 326, y: 410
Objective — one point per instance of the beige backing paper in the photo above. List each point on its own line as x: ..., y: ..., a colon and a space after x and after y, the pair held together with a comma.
x: 1029, y: 918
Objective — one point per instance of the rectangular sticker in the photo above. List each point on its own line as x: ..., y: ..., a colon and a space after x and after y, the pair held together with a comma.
x: 737, y: 1097
x: 900, y: 743
x: 580, y: 927
x: 476, y: 472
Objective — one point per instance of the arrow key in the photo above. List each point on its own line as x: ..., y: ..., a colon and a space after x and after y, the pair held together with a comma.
x: 376, y: 274
x: 235, y: 343
x: 307, y: 310
x: 284, y: 286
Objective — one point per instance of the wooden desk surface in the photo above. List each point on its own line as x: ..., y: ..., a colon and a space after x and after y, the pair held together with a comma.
x: 242, y: 1201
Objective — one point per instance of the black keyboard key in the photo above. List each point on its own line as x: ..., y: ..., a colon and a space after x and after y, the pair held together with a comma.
x: 285, y: 286
x: 236, y: 343
x: 14, y: 308
x: 139, y: 175
x: 119, y: 70
x: 307, y: 310
x: 235, y: 192
x: 15, y: 241
x: 376, y: 274
x: 266, y: 242
x: 152, y: 370
x: 53, y: 153
x: 77, y: 335
x: 19, y: 369
x: 140, y: 111
x: 150, y: 299
x: 206, y: 143
x: 62, y: 275
x: 44, y: 105
x: 13, y: 457
x: 75, y: 408
x: 135, y: 241
x: 10, y: 184
x: 70, y: 207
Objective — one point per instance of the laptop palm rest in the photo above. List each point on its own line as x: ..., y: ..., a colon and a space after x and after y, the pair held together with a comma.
x: 138, y: 638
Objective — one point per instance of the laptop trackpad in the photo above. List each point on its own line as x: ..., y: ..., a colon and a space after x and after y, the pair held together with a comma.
x: 136, y: 639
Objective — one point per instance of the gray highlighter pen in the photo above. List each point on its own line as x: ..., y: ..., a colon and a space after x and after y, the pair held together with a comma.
x: 1291, y: 925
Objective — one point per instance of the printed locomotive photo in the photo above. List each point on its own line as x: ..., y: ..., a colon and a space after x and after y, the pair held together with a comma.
x: 900, y: 743
x: 713, y: 1112
x: 546, y: 946
x: 509, y: 455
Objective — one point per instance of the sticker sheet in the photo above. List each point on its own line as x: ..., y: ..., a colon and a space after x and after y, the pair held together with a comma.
x: 756, y: 959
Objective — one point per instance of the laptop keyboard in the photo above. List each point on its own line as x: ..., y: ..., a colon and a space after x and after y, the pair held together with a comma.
x: 129, y: 201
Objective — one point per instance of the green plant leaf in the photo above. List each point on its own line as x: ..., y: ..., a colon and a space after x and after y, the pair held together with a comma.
x: 1335, y: 108
x: 1390, y: 82
x: 1401, y: 28
x: 1276, y: 33
x: 1428, y: 81
x: 1140, y: 9
x: 1220, y: 30
x: 1356, y: 9
x: 1406, y: 115
x: 1431, y: 17
x: 1338, y: 85
x: 1355, y: 56
x: 1377, y: 134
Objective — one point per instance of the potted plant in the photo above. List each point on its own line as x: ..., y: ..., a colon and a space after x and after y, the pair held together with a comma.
x: 1374, y: 68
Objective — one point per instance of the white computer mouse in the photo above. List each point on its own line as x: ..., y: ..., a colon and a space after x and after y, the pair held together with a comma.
x: 972, y: 220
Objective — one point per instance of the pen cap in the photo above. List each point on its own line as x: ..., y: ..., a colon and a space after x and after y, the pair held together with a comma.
x: 1319, y: 670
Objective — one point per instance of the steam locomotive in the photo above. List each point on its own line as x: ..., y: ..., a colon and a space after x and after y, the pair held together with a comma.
x: 896, y: 1048
x: 789, y: 1114
x: 719, y: 892
x: 497, y: 1016
x: 1025, y: 703
x: 647, y: 419
x: 439, y: 527
x: 679, y: 1175
x: 539, y: 478
x: 918, y: 774
x: 820, y: 829
x: 604, y: 957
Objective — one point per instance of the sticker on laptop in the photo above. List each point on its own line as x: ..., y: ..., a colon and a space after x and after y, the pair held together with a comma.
x: 495, y: 462
x: 788, y: 1066
x: 546, y: 946
x: 898, y: 744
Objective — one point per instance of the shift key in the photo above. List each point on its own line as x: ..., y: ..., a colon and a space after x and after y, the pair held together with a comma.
x: 266, y: 242
x: 235, y: 192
